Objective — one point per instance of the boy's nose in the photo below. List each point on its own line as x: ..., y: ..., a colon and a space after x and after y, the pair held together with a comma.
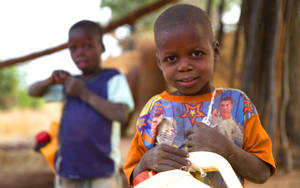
x: 184, y: 65
x: 80, y: 51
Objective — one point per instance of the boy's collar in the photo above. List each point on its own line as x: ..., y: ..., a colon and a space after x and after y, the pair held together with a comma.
x: 189, y: 99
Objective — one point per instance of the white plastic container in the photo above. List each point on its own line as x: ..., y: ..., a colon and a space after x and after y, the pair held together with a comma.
x: 201, y: 161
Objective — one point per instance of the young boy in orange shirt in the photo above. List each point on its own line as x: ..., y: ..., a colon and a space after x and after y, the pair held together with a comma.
x: 186, y: 55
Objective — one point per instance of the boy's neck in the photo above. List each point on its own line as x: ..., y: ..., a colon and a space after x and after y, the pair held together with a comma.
x: 206, y: 89
x: 91, y: 75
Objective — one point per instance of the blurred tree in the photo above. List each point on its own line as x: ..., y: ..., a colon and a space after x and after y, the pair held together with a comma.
x: 8, y: 87
x: 121, y: 7
x: 291, y: 59
x: 23, y: 100
x: 12, y: 90
x: 271, y: 68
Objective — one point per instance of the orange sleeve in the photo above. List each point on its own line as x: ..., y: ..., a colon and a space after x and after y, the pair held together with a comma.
x: 257, y: 141
x: 135, y: 153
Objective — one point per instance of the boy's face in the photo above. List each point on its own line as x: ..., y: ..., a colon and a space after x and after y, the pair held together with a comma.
x: 186, y: 57
x: 85, y: 49
x: 225, y: 108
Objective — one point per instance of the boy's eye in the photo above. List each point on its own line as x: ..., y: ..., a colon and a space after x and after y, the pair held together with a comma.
x: 87, y: 46
x: 72, y: 48
x: 197, y: 53
x: 170, y: 59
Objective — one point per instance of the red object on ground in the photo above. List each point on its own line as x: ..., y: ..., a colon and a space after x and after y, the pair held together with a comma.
x: 42, y: 137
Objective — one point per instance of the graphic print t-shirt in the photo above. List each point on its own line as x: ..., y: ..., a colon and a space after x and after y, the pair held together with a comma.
x: 166, y: 119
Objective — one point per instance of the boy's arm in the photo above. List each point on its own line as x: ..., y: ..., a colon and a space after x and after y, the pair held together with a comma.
x: 246, y: 164
x: 113, y: 111
x: 160, y: 158
x: 38, y: 89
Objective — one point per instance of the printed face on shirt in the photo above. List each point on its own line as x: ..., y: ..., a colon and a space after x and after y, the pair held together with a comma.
x: 225, y: 108
x: 186, y: 57
x: 85, y: 49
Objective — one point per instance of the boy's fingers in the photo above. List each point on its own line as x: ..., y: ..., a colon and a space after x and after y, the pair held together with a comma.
x: 162, y: 168
x: 201, y: 125
x: 179, y: 161
x: 191, y: 130
x: 195, y: 128
x: 170, y: 165
x: 56, y: 79
x: 173, y: 150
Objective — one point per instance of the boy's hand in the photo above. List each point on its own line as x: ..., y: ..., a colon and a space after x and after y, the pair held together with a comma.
x: 74, y: 86
x: 59, y: 77
x: 204, y: 138
x: 164, y: 157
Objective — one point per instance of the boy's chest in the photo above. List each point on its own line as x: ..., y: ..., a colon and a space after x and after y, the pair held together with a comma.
x: 171, y: 126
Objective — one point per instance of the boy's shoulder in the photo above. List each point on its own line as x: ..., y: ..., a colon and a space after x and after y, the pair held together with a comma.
x: 148, y: 106
x: 112, y: 71
x: 106, y: 74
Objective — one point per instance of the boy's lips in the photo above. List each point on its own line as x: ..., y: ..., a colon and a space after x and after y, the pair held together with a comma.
x: 187, y: 82
x: 82, y: 64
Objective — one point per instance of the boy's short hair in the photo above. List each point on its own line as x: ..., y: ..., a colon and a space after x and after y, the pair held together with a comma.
x: 183, y: 14
x: 91, y: 26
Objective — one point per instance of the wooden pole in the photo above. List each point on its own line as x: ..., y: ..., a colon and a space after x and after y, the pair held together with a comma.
x: 127, y: 19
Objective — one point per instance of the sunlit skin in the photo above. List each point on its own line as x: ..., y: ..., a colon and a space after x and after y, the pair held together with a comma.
x: 85, y: 49
x: 225, y: 108
x: 187, y: 64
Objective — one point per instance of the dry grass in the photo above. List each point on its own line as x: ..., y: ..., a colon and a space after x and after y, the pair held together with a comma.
x: 22, y: 166
x: 20, y: 125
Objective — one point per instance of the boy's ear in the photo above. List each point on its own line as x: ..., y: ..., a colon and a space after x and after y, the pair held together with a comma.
x: 157, y: 60
x: 103, y: 47
x: 216, y: 48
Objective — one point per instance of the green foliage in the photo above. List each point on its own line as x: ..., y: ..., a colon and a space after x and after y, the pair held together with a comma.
x: 8, y: 87
x: 12, y: 91
x: 120, y: 8
x: 25, y: 101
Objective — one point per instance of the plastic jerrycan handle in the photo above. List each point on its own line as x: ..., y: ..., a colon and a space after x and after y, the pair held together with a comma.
x: 209, y: 161
x: 201, y: 161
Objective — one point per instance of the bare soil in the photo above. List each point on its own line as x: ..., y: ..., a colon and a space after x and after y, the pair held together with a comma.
x: 21, y: 167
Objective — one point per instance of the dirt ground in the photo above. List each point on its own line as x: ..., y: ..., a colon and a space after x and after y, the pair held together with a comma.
x: 280, y: 180
x: 21, y: 167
